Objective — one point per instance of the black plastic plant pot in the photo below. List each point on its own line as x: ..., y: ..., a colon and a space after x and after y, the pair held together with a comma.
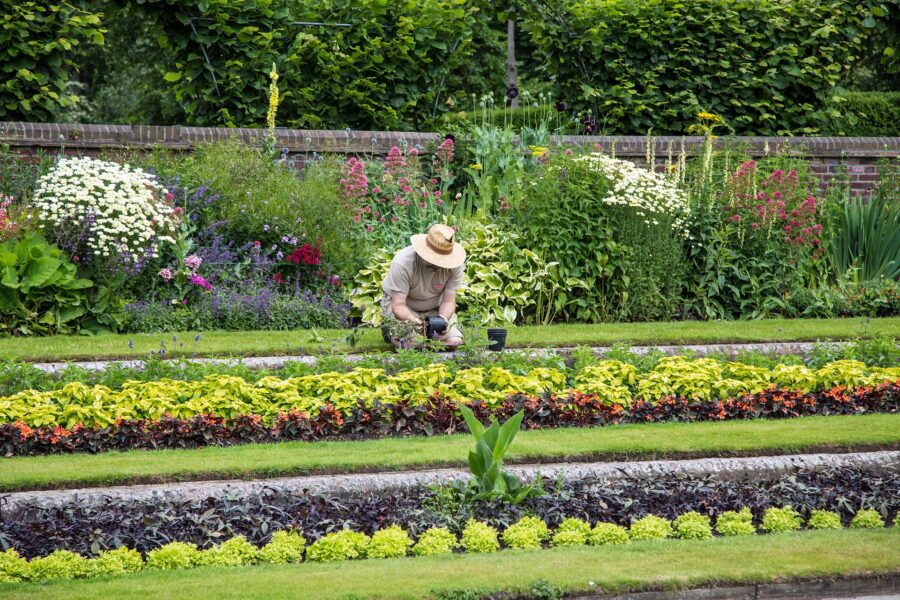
x: 497, y: 338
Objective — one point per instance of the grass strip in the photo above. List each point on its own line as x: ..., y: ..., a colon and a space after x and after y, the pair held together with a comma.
x: 666, y: 565
x: 621, y: 442
x: 277, y: 343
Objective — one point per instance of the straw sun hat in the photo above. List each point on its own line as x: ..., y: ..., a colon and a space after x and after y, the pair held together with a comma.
x: 439, y: 247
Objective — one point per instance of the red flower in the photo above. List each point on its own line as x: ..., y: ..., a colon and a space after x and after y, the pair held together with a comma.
x: 279, y: 278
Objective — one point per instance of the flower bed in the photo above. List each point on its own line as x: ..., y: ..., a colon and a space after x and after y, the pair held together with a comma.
x: 87, y: 525
x: 529, y: 533
x: 363, y: 403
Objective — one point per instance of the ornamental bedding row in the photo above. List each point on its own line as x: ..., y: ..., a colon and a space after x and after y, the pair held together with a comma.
x: 436, y: 415
x: 529, y: 533
x: 612, y: 382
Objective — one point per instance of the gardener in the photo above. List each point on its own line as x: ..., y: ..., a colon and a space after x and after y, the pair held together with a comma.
x: 422, y: 283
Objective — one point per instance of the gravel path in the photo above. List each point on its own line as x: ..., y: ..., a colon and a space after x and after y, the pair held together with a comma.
x: 276, y: 362
x: 726, y: 468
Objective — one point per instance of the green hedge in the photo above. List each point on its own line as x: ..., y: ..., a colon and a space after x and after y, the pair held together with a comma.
x: 395, y: 66
x: 768, y: 67
x: 867, y: 114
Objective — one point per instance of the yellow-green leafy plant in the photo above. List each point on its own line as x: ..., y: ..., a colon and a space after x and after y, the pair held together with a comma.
x: 285, y: 547
x: 478, y: 537
x: 174, y: 555
x: 778, y: 520
x: 850, y: 373
x: 116, y: 562
x: 526, y: 533
x: 571, y: 532
x: 390, y: 542
x: 607, y: 533
x: 13, y: 567
x: 824, y: 519
x: 340, y: 545
x: 60, y: 564
x: 867, y: 518
x: 691, y: 526
x: 436, y: 540
x: 612, y: 380
x: 732, y: 523
x: 230, y: 553
x: 650, y: 527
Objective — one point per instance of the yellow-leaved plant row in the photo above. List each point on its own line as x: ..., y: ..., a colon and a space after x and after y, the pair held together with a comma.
x: 228, y: 396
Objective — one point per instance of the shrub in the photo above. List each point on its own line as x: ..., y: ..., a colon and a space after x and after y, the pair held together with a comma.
x: 60, y: 564
x: 478, y: 537
x: 340, y: 545
x: 40, y: 37
x: 866, y: 114
x: 610, y: 225
x: 571, y: 532
x: 527, y: 533
x: 759, y: 47
x: 231, y: 553
x: 436, y: 540
x: 824, y: 519
x: 691, y: 526
x: 174, y: 555
x: 103, y: 211
x: 116, y: 562
x: 735, y: 523
x: 607, y: 533
x: 650, y: 527
x: 13, y: 568
x: 286, y: 546
x: 777, y: 520
x: 867, y: 518
x: 390, y: 542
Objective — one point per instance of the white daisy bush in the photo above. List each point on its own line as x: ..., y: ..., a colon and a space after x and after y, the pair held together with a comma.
x: 122, y: 210
x: 651, y: 194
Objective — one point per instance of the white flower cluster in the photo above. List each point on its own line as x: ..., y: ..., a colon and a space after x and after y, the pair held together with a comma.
x: 650, y: 193
x: 119, y: 206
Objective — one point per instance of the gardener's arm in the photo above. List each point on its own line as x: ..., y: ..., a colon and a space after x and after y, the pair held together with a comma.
x: 448, y: 304
x: 401, y: 311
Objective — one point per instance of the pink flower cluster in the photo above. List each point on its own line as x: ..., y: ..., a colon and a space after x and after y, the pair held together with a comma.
x: 394, y: 161
x: 166, y: 274
x: 444, y: 153
x: 200, y: 282
x: 355, y: 182
x: 192, y: 263
x: 8, y: 227
x: 779, y: 206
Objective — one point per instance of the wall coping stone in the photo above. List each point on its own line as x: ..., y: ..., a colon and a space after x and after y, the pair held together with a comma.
x: 178, y: 137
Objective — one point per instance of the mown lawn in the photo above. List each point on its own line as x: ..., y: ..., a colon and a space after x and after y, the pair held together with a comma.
x: 620, y: 442
x: 660, y: 564
x: 260, y: 343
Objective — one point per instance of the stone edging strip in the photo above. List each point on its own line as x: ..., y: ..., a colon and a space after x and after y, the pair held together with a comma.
x: 871, y: 587
x: 276, y: 362
x: 15, y: 504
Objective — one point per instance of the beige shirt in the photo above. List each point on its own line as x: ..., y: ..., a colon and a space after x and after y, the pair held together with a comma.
x: 423, y: 285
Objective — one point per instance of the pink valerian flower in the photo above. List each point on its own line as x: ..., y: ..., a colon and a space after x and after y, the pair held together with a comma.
x: 444, y: 152
x: 192, y: 263
x: 166, y: 274
x: 200, y: 282
x: 394, y: 161
x: 355, y: 182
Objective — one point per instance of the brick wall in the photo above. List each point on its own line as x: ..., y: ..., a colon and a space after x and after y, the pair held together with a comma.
x: 828, y: 156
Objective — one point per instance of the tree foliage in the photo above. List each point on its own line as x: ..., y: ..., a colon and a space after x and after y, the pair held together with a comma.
x: 37, y: 42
